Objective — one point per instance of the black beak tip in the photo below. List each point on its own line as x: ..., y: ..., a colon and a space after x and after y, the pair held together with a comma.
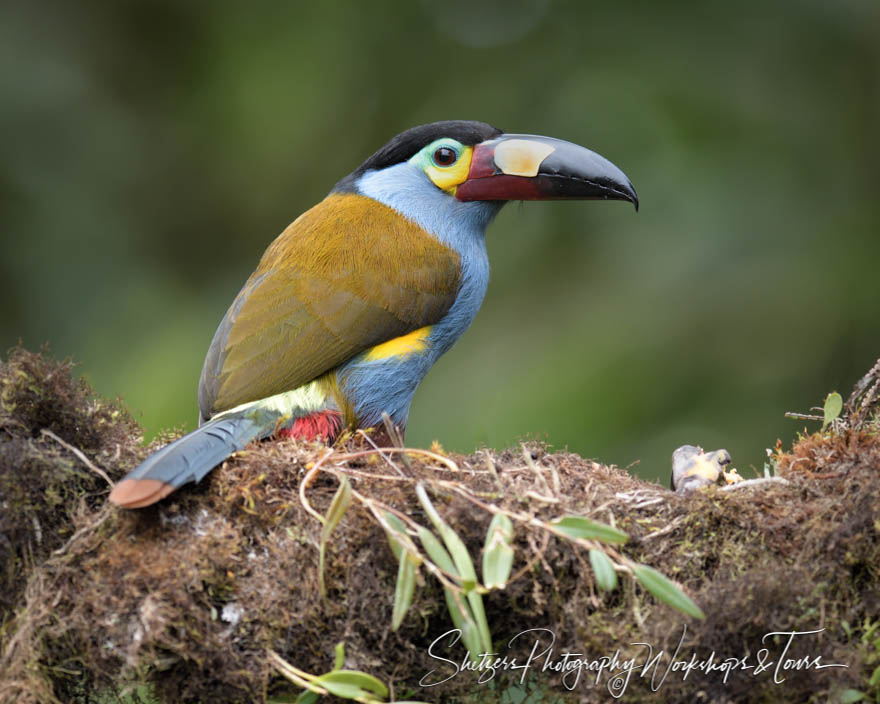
x: 625, y: 191
x: 631, y: 195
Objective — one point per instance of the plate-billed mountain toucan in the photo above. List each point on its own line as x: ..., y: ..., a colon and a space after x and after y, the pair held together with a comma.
x: 352, y: 304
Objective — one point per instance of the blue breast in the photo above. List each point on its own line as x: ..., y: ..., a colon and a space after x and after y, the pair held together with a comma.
x: 374, y: 386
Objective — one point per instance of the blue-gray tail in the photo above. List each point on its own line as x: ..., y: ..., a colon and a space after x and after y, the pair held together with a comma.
x: 188, y: 459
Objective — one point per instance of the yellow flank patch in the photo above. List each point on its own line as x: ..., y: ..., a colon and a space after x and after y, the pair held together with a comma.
x: 416, y: 341
x: 308, y: 397
x: 449, y: 177
x: 521, y: 157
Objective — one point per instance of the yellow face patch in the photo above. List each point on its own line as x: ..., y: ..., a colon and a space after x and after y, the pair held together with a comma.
x: 448, y: 177
x: 416, y: 341
x: 521, y: 157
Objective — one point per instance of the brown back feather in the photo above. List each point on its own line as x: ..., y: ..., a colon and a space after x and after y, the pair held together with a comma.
x: 346, y: 275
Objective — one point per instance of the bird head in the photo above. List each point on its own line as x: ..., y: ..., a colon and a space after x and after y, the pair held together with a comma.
x: 473, y: 161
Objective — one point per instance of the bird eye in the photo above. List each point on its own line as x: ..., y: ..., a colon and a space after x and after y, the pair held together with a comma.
x: 445, y: 156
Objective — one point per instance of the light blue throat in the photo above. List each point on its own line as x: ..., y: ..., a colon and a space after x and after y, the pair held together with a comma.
x: 374, y: 386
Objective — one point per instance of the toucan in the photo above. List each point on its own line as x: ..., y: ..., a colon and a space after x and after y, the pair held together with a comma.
x: 353, y: 303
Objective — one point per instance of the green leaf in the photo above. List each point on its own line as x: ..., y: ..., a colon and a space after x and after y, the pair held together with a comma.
x: 339, y: 655
x: 603, y: 569
x: 306, y: 697
x: 833, y: 407
x: 436, y: 551
x: 498, y: 552
x: 463, y: 620
x: 454, y: 544
x: 580, y: 527
x: 476, y: 604
x: 338, y: 506
x: 403, y: 591
x: 458, y: 550
x: 850, y: 696
x: 397, y: 525
x: 497, y: 565
x: 666, y: 591
x: 351, y: 684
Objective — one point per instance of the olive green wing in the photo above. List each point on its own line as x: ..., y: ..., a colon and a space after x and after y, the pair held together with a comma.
x: 348, y: 274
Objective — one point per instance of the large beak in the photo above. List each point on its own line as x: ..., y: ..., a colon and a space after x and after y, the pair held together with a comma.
x: 528, y: 167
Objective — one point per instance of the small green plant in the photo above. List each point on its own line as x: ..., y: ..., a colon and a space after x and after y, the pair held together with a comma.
x: 450, y: 562
x: 833, y: 407
x: 869, y: 639
x: 338, y: 507
x: 346, y: 684
x: 443, y: 553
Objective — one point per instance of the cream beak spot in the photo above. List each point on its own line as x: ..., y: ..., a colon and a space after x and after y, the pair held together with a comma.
x: 521, y: 157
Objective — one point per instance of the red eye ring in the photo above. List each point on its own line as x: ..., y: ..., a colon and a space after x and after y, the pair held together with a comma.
x: 445, y: 156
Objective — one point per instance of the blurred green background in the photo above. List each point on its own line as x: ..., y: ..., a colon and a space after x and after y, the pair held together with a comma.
x: 151, y: 151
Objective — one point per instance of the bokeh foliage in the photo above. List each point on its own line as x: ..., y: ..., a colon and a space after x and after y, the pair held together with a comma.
x: 152, y: 150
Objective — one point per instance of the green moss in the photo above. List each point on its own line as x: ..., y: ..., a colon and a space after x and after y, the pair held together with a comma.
x: 47, y: 492
x: 187, y: 597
